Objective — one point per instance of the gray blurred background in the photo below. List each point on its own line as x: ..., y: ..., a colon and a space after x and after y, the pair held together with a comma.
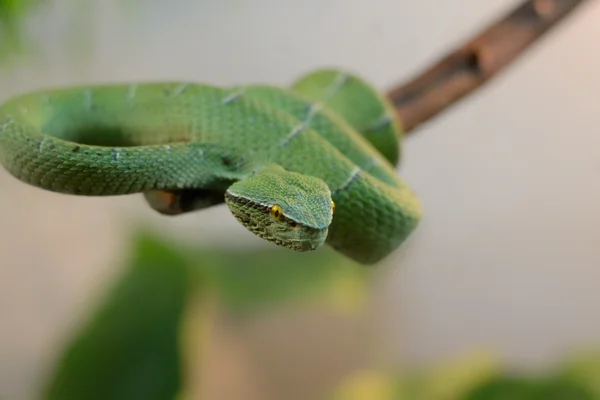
x: 508, y: 254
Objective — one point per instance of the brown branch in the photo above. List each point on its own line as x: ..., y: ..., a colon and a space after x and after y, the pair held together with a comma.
x: 477, y: 61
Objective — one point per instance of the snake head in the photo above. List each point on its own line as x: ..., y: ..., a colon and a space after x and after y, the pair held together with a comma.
x: 283, y: 207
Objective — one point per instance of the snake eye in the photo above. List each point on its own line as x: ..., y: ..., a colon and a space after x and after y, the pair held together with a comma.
x: 276, y: 212
x: 332, y: 206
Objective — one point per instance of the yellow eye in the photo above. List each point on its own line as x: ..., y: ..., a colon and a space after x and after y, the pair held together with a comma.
x: 276, y: 212
x: 332, y: 206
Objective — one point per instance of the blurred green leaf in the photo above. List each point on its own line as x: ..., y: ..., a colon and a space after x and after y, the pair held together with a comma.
x: 562, y: 388
x: 474, y: 377
x: 513, y: 387
x: 261, y: 278
x: 504, y: 387
x: 584, y: 367
x: 129, y: 349
x: 16, y: 42
x: 452, y: 379
x: 12, y: 14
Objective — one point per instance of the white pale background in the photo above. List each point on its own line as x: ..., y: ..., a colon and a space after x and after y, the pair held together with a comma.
x: 508, y: 254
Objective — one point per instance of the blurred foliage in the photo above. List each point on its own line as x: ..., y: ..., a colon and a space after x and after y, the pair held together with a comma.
x: 476, y: 376
x: 12, y: 15
x: 584, y: 367
x: 256, y: 279
x: 16, y: 40
x: 131, y: 347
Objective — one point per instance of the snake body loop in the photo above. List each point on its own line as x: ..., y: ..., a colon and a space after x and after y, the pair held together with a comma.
x: 298, y: 166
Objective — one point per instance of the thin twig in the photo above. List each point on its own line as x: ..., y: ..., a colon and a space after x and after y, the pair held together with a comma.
x: 478, y: 60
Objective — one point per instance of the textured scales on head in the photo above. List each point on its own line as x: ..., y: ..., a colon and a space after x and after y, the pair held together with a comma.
x: 283, y: 207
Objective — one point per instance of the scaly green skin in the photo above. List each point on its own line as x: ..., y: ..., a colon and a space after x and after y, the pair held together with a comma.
x: 328, y: 138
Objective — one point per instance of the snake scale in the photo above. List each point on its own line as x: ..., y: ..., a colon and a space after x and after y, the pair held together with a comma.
x: 299, y: 166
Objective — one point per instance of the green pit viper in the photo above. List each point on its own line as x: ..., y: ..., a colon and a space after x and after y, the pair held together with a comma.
x: 300, y: 166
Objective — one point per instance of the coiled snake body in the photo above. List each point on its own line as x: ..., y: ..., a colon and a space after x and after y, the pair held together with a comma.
x: 297, y: 166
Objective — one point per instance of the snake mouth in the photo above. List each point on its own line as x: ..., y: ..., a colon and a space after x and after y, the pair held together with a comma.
x: 302, y: 245
x: 300, y: 238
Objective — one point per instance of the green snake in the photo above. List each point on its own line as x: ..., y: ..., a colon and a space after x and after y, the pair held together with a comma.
x: 301, y: 166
